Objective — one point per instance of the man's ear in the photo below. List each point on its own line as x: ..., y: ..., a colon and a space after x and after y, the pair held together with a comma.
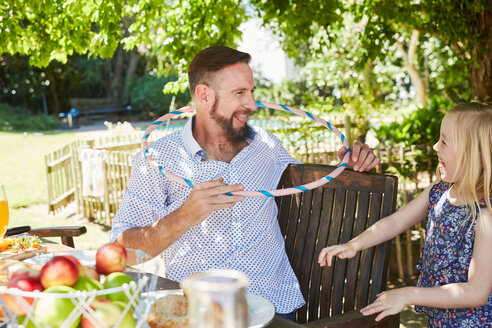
x: 205, y: 95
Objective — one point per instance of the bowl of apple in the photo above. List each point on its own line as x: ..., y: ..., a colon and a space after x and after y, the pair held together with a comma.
x: 88, y: 289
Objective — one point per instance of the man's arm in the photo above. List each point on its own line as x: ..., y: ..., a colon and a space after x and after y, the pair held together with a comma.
x: 204, y: 199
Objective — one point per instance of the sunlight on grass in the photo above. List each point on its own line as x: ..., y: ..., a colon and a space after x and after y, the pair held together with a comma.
x: 23, y: 170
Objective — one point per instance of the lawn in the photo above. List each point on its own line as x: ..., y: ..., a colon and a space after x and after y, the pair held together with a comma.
x: 23, y: 168
x: 24, y: 176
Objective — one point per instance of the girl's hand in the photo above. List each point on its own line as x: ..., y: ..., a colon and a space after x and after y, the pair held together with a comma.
x: 388, y: 303
x: 343, y: 251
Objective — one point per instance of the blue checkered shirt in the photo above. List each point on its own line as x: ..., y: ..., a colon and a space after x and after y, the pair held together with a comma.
x: 245, y: 237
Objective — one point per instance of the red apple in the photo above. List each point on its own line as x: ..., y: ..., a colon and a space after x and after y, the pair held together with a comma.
x: 59, y: 271
x: 110, y: 258
x: 25, y: 273
x: 75, y: 261
x: 90, y: 272
x: 28, y: 284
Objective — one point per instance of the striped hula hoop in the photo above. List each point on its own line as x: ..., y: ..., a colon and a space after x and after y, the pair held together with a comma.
x: 252, y: 193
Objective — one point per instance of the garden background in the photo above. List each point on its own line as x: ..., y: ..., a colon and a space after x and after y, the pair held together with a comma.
x: 391, y: 67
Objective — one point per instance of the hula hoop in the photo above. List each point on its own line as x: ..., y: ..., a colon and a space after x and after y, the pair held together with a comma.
x: 252, y: 193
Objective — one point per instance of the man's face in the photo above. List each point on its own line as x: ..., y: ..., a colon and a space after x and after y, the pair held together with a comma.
x: 235, y: 135
x: 234, y: 101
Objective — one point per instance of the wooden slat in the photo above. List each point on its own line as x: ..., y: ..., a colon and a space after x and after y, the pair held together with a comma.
x: 328, y: 201
x: 59, y: 163
x: 309, y: 270
x: 339, y: 266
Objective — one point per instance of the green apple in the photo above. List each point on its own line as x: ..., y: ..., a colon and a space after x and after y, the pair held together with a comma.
x: 51, y: 311
x: 117, y: 279
x: 128, y: 321
x: 27, y: 324
x: 108, y: 313
x: 88, y: 284
x: 105, y: 312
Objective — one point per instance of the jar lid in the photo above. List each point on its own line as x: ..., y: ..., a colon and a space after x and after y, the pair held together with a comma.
x: 217, y: 280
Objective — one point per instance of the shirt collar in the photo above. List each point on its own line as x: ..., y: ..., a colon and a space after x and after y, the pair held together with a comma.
x: 192, y: 147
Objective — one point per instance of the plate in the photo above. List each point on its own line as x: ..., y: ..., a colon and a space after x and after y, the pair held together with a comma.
x: 85, y: 257
x: 260, y: 310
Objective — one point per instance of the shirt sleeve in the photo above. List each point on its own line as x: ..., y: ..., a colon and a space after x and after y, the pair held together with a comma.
x: 144, y: 202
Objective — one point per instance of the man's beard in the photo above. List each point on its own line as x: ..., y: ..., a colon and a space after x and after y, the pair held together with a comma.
x: 234, y: 136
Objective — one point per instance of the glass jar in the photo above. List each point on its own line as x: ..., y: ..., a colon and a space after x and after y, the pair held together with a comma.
x: 217, y: 299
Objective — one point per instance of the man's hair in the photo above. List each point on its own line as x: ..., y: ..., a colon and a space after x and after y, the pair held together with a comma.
x: 210, y: 60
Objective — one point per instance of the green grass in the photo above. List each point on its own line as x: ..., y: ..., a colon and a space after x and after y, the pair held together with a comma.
x: 23, y: 173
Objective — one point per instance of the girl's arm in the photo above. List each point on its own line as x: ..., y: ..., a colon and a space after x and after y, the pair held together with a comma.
x: 381, y: 231
x: 470, y: 294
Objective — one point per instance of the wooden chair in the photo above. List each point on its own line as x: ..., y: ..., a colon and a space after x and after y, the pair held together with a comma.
x: 333, y: 214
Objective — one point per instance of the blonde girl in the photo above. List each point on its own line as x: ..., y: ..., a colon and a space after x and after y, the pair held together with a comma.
x: 455, y: 284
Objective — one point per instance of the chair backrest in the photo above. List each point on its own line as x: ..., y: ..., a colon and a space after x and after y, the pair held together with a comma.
x: 329, y: 215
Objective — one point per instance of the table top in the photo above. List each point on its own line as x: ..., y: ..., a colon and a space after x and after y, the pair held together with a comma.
x: 165, y: 284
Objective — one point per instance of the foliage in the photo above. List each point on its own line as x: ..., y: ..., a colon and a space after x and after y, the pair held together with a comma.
x: 53, y: 30
x: 172, y: 32
x: 297, y: 21
x: 20, y: 84
x: 146, y: 95
x: 450, y: 33
x: 421, y: 127
x: 419, y: 131
x: 88, y: 78
x: 21, y: 119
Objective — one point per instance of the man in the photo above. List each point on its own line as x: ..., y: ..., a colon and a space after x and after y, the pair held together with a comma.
x: 202, y: 228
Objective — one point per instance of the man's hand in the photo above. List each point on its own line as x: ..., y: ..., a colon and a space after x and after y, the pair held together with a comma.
x: 362, y: 157
x: 207, y: 197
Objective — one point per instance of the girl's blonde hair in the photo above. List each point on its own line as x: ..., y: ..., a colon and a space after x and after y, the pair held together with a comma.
x: 473, y: 139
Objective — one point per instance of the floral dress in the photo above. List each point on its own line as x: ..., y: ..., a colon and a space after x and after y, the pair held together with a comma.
x: 445, y: 258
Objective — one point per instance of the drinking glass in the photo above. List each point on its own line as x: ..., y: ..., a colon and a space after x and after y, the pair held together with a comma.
x: 217, y: 299
x: 4, y: 211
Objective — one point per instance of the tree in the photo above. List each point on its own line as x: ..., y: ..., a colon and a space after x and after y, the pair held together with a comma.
x: 173, y: 31
x: 464, y: 25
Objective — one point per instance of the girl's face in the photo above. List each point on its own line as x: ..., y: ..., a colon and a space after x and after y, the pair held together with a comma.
x: 446, y: 149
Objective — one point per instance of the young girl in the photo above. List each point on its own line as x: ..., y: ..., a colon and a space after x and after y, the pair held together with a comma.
x: 455, y: 283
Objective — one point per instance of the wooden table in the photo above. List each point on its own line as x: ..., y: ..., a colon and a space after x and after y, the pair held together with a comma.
x: 164, y: 284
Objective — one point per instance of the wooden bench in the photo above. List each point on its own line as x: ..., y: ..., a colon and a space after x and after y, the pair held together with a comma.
x: 97, y: 109
x: 66, y: 233
x: 333, y: 214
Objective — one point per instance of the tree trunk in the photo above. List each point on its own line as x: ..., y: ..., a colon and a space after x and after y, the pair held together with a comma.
x: 117, y: 74
x: 54, y: 99
x: 409, y: 60
x: 481, y: 68
x: 132, y: 68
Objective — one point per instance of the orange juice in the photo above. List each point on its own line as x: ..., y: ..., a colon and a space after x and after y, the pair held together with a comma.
x: 4, y: 217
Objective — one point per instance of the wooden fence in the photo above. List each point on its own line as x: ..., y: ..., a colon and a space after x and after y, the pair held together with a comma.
x: 64, y: 172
